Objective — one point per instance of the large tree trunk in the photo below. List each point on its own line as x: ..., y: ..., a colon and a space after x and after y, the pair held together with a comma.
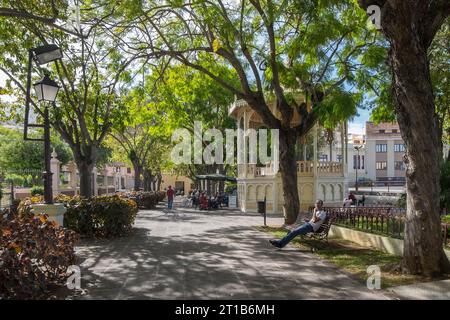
x: 288, y: 170
x: 418, y: 121
x: 158, y: 181
x: 137, y: 175
x: 410, y: 27
x: 85, y: 170
x: 85, y: 163
x: 148, y: 177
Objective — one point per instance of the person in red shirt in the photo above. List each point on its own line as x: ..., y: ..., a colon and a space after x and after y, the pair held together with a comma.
x: 203, y: 202
x: 170, y: 197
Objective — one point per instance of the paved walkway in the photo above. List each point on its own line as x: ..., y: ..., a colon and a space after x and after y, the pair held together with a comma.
x: 214, y: 255
x: 436, y: 290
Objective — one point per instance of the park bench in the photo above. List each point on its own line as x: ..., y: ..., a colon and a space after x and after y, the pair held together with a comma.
x: 321, y: 235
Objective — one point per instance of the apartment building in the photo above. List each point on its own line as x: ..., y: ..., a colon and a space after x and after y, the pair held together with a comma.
x: 356, y: 150
x: 384, y: 151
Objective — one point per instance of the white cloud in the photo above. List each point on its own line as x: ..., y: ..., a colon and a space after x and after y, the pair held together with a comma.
x: 357, y: 128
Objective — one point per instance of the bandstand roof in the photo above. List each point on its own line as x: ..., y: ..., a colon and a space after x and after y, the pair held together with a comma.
x: 215, y: 177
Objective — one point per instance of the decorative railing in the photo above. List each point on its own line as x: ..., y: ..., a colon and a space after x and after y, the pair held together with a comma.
x: 389, y: 221
x: 253, y: 170
x: 304, y: 168
x: 324, y: 167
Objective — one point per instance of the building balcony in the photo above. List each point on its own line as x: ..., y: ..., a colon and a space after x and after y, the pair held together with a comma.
x: 304, y: 169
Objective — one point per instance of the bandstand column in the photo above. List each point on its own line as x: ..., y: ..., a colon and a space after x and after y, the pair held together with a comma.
x: 315, y: 162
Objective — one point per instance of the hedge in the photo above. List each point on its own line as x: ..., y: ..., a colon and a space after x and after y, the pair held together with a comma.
x: 102, y: 216
x: 145, y: 200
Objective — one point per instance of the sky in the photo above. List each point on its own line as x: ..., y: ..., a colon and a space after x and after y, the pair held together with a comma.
x: 357, y: 126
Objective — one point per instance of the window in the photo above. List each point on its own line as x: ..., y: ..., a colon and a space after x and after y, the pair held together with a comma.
x: 381, y: 131
x: 381, y: 148
x: 381, y: 165
x: 358, y: 162
x: 399, y: 165
x: 323, y: 157
x: 339, y: 157
x: 394, y: 131
x: 399, y: 147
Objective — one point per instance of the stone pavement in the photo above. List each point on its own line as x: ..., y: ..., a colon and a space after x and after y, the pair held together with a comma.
x: 436, y: 290
x: 207, y: 255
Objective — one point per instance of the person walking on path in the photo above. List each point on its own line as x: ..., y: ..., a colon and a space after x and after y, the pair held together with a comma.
x: 170, y: 198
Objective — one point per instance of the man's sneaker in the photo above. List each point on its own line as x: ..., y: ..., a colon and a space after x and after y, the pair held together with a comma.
x: 275, y: 243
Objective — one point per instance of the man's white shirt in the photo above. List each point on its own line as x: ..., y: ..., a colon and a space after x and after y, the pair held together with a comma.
x: 322, y: 215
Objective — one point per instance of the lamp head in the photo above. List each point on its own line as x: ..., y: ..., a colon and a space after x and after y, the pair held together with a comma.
x: 46, y: 89
x: 47, y: 53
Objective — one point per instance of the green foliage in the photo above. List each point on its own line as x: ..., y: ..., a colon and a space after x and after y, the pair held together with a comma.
x: 230, y: 187
x: 35, y: 254
x: 143, y: 138
x: 145, y: 200
x: 440, y: 76
x: 383, y: 113
x: 37, y: 191
x: 401, y: 202
x: 92, y: 66
x: 337, y: 107
x: 185, y: 95
x: 380, y: 84
x: 15, y: 179
x: 445, y: 185
x: 104, y: 155
x: 102, y: 216
x: 24, y: 156
x: 445, y: 188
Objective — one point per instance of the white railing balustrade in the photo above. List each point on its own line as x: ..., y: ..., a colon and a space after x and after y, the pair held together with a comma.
x: 304, y: 168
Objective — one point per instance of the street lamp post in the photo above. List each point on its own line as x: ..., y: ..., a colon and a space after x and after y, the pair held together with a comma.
x: 46, y: 90
x: 357, y: 148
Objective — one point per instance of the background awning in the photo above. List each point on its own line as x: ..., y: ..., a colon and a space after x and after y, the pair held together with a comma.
x: 215, y: 177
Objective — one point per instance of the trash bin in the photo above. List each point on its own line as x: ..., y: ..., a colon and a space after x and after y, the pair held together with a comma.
x: 261, y: 206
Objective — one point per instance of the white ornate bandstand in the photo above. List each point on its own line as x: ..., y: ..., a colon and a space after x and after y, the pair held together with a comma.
x: 326, y: 180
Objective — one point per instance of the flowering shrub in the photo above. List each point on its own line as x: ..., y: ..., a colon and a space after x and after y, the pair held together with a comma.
x: 24, y: 208
x: 34, y: 256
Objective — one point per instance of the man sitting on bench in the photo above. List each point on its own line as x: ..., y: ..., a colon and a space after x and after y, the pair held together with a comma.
x: 313, y: 225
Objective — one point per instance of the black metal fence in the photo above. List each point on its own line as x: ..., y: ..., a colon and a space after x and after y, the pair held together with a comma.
x: 388, y: 221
